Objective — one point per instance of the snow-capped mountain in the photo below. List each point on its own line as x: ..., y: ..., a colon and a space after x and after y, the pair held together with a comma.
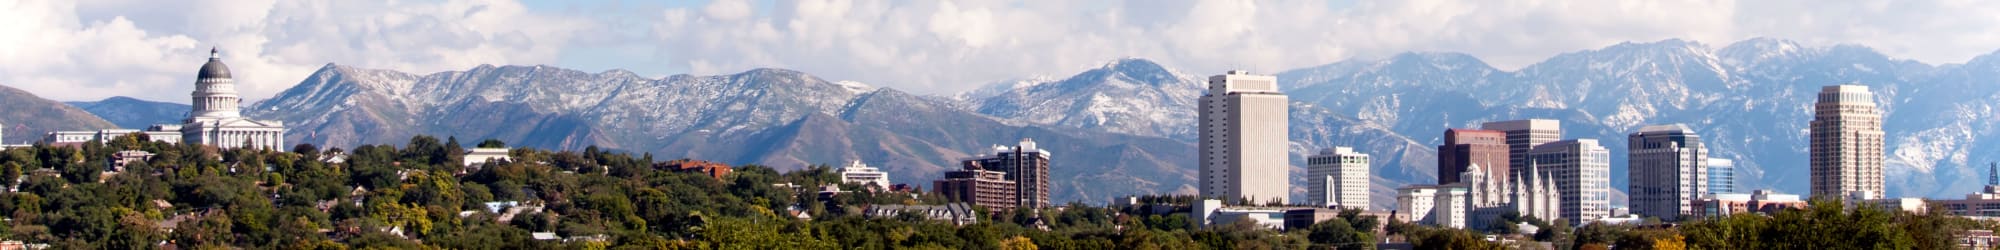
x: 1750, y: 100
x: 780, y: 118
x: 1131, y: 96
x: 1141, y: 97
x: 1126, y: 127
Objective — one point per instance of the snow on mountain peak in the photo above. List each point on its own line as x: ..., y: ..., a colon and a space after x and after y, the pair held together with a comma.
x: 854, y: 86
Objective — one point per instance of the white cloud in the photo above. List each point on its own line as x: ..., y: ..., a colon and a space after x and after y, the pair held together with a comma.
x: 944, y: 46
x: 84, y: 50
x: 69, y: 50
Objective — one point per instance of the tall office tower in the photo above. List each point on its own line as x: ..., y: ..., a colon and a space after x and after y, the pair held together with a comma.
x: 1847, y: 148
x: 1026, y: 165
x: 1668, y: 169
x: 1581, y: 170
x: 1337, y: 177
x: 1243, y: 138
x: 1466, y: 147
x: 1721, y: 176
x: 1524, y: 135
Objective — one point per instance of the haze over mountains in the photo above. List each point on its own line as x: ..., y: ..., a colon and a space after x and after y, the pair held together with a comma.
x: 1127, y: 127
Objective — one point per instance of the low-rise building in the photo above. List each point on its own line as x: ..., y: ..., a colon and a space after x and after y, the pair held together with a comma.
x: 1302, y: 218
x: 712, y: 169
x: 1983, y: 204
x: 125, y: 158
x: 480, y: 156
x: 1760, y: 201
x: 861, y: 174
x: 957, y: 213
x: 1211, y: 212
x: 1978, y: 239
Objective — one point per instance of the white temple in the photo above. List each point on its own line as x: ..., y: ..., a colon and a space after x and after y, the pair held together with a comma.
x: 1533, y: 194
x: 215, y: 119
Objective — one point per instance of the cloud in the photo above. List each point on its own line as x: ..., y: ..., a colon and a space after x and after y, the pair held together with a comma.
x: 70, y: 50
x: 86, y: 50
x: 947, y: 46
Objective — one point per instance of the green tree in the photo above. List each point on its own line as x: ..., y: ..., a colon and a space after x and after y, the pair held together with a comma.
x: 492, y: 143
x: 1337, y: 233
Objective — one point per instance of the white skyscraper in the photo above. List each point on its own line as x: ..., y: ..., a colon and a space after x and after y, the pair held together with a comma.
x: 1337, y: 176
x: 1244, y: 126
x: 1847, y: 153
x: 1668, y: 167
x: 1581, y: 170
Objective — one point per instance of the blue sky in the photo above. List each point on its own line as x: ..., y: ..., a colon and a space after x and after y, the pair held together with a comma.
x: 93, y: 49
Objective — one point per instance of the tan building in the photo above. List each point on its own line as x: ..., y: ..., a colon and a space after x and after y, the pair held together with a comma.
x: 1847, y: 151
x: 1244, y: 138
x: 976, y: 185
x: 1985, y: 204
x: 1025, y: 164
x: 1524, y: 135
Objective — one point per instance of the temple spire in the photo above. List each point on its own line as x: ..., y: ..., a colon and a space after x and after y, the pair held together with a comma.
x: 214, y: 53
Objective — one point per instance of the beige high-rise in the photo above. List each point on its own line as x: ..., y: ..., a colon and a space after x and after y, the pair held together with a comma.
x: 1244, y: 126
x: 1524, y: 135
x: 1847, y: 152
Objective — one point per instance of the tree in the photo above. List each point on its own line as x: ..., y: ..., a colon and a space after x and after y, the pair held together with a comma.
x: 1337, y: 233
x: 1448, y: 238
x: 492, y: 143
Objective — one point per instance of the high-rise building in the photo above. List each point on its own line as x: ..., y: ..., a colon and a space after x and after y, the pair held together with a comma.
x: 1721, y: 176
x: 1667, y: 166
x: 1026, y: 165
x: 976, y: 185
x: 1581, y: 169
x: 1847, y: 153
x: 1337, y: 177
x: 861, y: 174
x: 1244, y: 126
x: 1466, y: 147
x: 1524, y: 135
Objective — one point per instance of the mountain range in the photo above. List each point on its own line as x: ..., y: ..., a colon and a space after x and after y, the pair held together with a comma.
x: 28, y: 117
x: 1126, y: 127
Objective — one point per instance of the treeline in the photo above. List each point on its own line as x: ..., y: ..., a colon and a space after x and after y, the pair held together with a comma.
x: 419, y: 196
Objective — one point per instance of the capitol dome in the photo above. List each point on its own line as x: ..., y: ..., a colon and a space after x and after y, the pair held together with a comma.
x: 214, y: 68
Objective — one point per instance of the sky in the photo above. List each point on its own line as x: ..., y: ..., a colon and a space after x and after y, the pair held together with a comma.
x: 79, y: 50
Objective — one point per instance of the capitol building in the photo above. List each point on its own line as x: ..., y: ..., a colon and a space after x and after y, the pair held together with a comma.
x: 216, y: 118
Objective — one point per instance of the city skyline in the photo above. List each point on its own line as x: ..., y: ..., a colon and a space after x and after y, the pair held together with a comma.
x: 966, y: 124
